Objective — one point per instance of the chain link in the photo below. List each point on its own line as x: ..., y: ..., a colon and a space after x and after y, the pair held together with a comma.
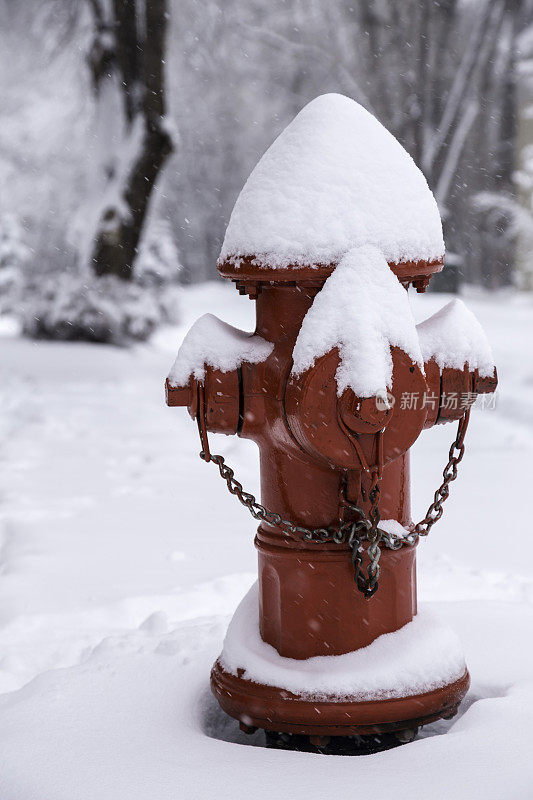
x: 354, y: 532
x: 435, y: 510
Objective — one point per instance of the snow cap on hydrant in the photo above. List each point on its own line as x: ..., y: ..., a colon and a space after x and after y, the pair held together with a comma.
x: 334, y: 179
x: 334, y: 386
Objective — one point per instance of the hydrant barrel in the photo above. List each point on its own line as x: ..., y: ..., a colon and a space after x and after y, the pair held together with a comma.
x: 334, y: 386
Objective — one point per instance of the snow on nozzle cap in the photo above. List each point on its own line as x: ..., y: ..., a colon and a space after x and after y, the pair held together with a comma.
x: 334, y: 179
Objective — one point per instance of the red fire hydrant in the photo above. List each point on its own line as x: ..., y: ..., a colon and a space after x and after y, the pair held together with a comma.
x: 336, y: 541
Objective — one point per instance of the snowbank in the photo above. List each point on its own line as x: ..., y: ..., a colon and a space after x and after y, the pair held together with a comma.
x: 136, y: 720
x: 95, y: 538
x: 334, y: 179
x: 423, y: 655
x: 215, y: 343
x: 363, y: 310
x: 453, y: 337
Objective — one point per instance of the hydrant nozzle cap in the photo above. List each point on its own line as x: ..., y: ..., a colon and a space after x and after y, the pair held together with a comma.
x: 178, y: 395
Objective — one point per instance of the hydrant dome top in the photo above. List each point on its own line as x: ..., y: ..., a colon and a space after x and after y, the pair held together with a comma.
x: 334, y: 179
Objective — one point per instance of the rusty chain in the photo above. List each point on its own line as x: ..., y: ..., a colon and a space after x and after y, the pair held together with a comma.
x: 353, y: 532
x: 435, y: 510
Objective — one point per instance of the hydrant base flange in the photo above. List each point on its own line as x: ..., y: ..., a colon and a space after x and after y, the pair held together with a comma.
x: 276, y: 709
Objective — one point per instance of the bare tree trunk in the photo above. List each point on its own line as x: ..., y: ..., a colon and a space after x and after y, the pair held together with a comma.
x: 138, y: 59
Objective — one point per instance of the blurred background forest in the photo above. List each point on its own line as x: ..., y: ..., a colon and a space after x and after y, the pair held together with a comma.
x: 129, y: 127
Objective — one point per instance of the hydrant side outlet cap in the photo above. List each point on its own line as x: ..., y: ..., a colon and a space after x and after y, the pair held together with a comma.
x: 334, y: 179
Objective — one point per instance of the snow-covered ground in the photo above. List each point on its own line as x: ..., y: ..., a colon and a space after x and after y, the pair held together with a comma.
x: 122, y: 557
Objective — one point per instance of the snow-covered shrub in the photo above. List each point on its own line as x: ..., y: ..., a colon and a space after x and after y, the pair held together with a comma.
x: 14, y: 254
x: 158, y: 263
x: 81, y: 306
x: 158, y: 267
x: 87, y: 308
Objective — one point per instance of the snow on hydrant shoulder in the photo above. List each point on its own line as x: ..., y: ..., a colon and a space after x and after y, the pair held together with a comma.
x: 453, y: 337
x: 334, y: 179
x: 213, y: 342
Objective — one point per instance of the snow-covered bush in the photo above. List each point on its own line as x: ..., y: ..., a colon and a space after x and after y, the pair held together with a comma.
x: 158, y: 263
x: 87, y: 308
x: 14, y: 254
x: 158, y: 268
x: 83, y: 307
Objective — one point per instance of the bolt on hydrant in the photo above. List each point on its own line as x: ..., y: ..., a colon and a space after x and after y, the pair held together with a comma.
x: 336, y: 384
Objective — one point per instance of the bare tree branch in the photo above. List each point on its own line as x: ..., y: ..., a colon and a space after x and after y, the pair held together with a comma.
x: 484, y: 31
x: 454, y: 152
x: 98, y: 11
x: 284, y: 42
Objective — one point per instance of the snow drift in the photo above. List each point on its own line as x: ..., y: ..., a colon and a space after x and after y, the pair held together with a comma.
x: 423, y: 655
